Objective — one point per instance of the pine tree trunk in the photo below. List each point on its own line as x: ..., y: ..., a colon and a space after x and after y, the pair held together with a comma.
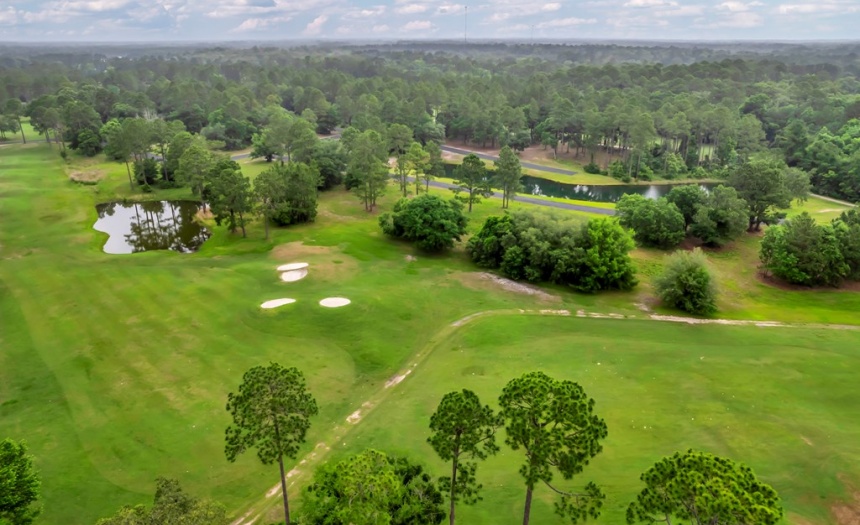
x: 453, y: 490
x: 528, y: 510
x: 284, y: 491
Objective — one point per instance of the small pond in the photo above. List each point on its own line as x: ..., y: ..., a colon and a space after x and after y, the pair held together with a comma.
x: 548, y: 188
x: 156, y: 225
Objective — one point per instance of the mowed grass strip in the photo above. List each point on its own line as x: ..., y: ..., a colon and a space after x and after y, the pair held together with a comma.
x: 780, y: 400
x: 119, y: 365
x: 132, y: 356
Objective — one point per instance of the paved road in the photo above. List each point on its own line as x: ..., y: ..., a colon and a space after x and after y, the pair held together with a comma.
x: 530, y: 165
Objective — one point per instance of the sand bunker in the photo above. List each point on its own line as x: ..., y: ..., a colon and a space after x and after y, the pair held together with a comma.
x: 334, y: 302
x: 276, y: 303
x: 292, y: 276
x: 292, y: 266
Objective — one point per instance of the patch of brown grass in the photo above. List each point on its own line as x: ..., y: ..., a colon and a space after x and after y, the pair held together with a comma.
x: 847, y: 512
x: 328, y: 263
x: 86, y: 176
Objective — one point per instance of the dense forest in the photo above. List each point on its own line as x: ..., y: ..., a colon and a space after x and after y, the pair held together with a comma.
x: 634, y: 111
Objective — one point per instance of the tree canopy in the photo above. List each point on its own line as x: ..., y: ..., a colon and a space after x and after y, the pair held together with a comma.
x: 431, y: 222
x: 704, y: 489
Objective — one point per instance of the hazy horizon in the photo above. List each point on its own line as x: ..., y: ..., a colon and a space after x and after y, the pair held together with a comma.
x: 193, y: 21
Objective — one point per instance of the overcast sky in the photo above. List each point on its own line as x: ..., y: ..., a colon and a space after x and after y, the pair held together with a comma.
x: 209, y: 20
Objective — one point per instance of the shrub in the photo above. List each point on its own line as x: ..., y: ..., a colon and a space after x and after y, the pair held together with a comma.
x: 721, y: 218
x: 803, y: 252
x: 656, y: 223
x: 541, y: 247
x: 431, y: 222
x: 687, y: 284
x: 592, y: 168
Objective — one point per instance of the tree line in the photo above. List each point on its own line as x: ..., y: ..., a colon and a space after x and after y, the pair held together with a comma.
x: 632, y: 121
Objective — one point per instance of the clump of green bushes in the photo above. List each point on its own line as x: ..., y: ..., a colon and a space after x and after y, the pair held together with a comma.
x: 687, y: 284
x: 541, y: 247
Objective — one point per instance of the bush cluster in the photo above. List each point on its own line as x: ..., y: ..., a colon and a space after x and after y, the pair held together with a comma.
x: 537, y: 247
x: 686, y: 283
x: 716, y: 218
x: 803, y: 252
x: 431, y: 222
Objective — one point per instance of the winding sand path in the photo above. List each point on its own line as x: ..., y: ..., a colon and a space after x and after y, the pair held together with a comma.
x: 304, y: 469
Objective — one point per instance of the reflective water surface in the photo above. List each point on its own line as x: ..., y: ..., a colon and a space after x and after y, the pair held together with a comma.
x: 548, y: 188
x: 156, y: 225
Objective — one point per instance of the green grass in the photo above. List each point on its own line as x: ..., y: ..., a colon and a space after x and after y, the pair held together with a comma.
x: 780, y: 401
x: 821, y: 209
x: 115, y: 368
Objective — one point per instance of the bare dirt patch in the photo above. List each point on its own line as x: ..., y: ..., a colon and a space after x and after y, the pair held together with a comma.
x: 847, y: 512
x: 486, y: 280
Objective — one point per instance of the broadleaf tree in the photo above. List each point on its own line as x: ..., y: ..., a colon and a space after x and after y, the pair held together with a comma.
x: 20, y: 486
x: 271, y: 412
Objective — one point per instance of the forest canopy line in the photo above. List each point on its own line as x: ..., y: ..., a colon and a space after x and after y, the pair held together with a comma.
x: 630, y: 120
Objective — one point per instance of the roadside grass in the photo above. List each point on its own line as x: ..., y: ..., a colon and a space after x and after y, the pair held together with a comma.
x: 821, y: 210
x: 779, y: 400
x: 116, y: 368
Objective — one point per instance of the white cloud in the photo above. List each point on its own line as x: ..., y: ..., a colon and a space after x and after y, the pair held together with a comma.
x: 315, y: 26
x: 819, y: 8
x: 253, y: 24
x: 499, y: 17
x: 555, y: 6
x: 410, y: 9
x: 738, y: 7
x: 566, y: 22
x: 380, y: 28
x: 418, y: 25
x: 93, y: 6
x: 8, y: 16
x: 377, y: 10
x: 447, y: 9
x: 650, y: 3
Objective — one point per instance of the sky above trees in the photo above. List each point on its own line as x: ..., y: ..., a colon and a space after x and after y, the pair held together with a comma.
x: 210, y: 20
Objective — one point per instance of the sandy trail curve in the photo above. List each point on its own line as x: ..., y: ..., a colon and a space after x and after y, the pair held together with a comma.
x: 338, y: 434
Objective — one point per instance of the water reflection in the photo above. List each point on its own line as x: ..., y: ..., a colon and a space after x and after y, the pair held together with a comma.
x: 548, y: 188
x: 155, y: 225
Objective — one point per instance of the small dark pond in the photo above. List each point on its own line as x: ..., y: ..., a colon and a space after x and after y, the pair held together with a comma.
x: 157, y: 225
x: 580, y: 192
x: 548, y: 188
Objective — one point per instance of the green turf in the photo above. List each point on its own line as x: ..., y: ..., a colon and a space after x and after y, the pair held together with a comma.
x: 116, y: 368
x: 781, y: 400
x: 822, y: 210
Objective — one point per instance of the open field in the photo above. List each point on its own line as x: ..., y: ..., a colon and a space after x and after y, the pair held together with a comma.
x: 775, y: 399
x: 116, y: 368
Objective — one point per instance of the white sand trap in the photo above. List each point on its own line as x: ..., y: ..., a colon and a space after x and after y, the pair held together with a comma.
x: 334, y: 302
x: 292, y: 266
x: 292, y: 276
x: 276, y: 303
